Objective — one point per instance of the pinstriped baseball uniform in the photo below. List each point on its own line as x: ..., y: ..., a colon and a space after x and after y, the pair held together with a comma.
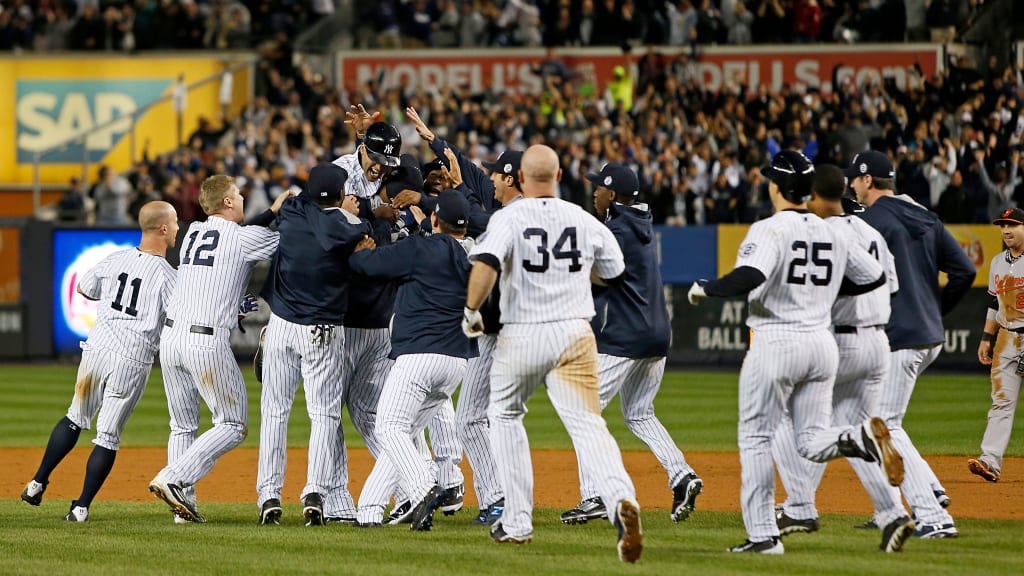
x: 863, y: 365
x: 1006, y: 284
x: 430, y: 353
x: 357, y: 184
x: 633, y: 338
x: 216, y: 259
x: 547, y: 248
x: 473, y: 427
x: 792, y: 361
x: 307, y: 290
x: 446, y: 445
x: 132, y: 289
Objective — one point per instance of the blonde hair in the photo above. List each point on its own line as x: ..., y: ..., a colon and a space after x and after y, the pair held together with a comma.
x: 213, y: 191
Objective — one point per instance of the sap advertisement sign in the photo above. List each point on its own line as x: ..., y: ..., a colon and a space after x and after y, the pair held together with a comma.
x: 51, y: 111
x: 74, y: 253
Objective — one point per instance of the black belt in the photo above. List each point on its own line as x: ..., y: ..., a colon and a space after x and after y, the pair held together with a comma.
x: 853, y: 329
x: 195, y: 328
x: 1016, y: 330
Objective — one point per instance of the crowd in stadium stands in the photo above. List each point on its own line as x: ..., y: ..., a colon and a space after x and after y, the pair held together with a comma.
x: 955, y: 137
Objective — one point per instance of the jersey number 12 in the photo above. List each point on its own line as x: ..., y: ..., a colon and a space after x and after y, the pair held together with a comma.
x: 203, y: 255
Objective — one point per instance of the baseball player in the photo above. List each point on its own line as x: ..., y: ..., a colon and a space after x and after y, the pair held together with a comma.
x: 859, y: 329
x: 633, y: 335
x: 375, y: 156
x: 546, y: 250
x: 131, y: 288
x: 921, y: 247
x: 195, y: 352
x: 791, y: 266
x: 1002, y: 346
x: 429, y: 351
x: 307, y: 291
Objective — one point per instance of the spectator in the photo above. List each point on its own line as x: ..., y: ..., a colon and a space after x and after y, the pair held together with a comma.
x: 806, y: 21
x: 71, y: 207
x: 771, y: 26
x: 956, y: 205
x: 144, y: 192
x: 709, y: 24
x: 111, y: 194
x: 941, y: 17
x: 723, y: 202
x: 740, y: 31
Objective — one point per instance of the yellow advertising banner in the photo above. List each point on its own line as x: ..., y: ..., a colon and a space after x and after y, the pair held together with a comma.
x: 45, y: 101
x: 980, y: 241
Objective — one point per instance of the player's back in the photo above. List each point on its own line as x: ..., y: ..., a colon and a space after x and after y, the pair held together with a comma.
x: 872, y: 308
x: 548, y: 248
x: 216, y: 258
x: 132, y: 289
x: 803, y: 264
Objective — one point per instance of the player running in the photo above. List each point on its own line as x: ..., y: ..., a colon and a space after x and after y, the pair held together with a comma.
x: 131, y: 288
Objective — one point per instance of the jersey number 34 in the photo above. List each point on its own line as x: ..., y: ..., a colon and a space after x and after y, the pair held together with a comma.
x: 539, y: 238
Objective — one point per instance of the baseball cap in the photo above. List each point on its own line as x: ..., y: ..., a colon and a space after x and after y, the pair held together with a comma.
x: 406, y: 176
x: 327, y: 181
x: 429, y: 167
x: 452, y: 207
x: 506, y: 163
x: 618, y: 177
x: 873, y: 163
x: 1010, y: 216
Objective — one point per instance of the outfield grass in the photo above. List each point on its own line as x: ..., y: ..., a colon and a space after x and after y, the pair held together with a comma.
x: 124, y: 538
x: 947, y: 414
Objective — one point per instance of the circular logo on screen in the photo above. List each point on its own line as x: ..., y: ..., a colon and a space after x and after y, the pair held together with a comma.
x: 80, y: 312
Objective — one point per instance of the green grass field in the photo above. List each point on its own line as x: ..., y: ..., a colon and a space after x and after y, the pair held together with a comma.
x: 947, y: 416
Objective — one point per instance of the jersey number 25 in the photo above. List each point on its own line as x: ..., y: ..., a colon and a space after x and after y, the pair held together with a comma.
x: 819, y: 257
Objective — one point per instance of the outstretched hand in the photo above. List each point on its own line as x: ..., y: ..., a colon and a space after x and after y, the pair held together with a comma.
x: 359, y: 119
x: 421, y: 127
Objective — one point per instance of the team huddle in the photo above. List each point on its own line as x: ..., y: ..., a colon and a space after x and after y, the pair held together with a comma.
x: 391, y: 284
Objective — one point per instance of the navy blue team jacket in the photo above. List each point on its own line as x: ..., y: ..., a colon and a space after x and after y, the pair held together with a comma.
x: 371, y: 301
x: 921, y: 246
x: 632, y: 320
x: 308, y: 278
x: 433, y: 273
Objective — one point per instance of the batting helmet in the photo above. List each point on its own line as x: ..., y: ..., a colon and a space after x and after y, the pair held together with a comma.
x: 793, y: 173
x: 383, y: 144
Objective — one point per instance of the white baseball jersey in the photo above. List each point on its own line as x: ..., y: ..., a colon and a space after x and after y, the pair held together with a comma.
x: 357, y: 184
x: 217, y: 257
x: 804, y: 262
x: 871, y: 309
x: 547, y: 247
x: 132, y: 288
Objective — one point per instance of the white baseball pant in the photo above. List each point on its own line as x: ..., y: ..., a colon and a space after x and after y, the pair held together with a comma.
x: 562, y: 355
x: 414, y: 391
x: 472, y: 425
x: 637, y: 381
x: 863, y: 367
x: 314, y: 354
x: 111, y: 384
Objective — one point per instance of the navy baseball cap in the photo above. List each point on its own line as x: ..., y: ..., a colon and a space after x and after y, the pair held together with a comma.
x: 873, y: 163
x: 327, y: 181
x: 506, y: 163
x: 452, y: 207
x: 429, y: 167
x: 404, y: 177
x: 1010, y: 216
x: 618, y: 177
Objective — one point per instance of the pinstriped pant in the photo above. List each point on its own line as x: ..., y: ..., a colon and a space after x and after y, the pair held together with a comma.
x: 201, y: 366
x: 562, y: 355
x: 111, y: 384
x: 918, y: 480
x: 414, y: 391
x: 473, y: 426
x: 782, y: 371
x: 290, y: 354
x: 863, y: 368
x: 637, y: 381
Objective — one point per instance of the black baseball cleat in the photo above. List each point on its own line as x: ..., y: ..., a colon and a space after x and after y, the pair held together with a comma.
x: 452, y: 499
x: 896, y: 534
x: 340, y: 520
x: 878, y: 444
x: 684, y: 497
x: 499, y: 536
x: 488, y: 516
x: 788, y: 525
x: 423, y: 514
x: 869, y: 525
x: 313, y: 509
x: 400, y: 514
x: 270, y: 512
x: 174, y: 495
x: 33, y: 493
x: 770, y: 546
x: 585, y: 511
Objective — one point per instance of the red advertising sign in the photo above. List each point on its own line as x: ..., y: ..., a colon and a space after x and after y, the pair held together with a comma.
x: 512, y: 70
